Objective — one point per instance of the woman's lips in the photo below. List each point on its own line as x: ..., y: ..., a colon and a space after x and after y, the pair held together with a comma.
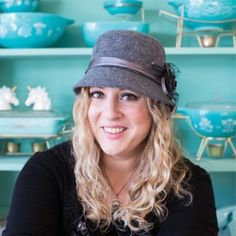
x: 114, y: 132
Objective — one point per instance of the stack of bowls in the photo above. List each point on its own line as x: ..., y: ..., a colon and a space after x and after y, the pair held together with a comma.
x: 92, y: 30
x: 21, y: 27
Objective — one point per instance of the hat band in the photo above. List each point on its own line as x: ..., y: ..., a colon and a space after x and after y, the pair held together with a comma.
x: 117, y: 62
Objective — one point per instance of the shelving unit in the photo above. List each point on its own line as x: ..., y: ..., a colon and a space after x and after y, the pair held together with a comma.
x: 51, y: 52
x: 207, y: 74
x: 12, y: 163
x: 9, y: 163
x: 16, y: 163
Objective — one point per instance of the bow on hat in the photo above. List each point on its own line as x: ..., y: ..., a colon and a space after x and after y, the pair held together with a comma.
x: 168, y: 80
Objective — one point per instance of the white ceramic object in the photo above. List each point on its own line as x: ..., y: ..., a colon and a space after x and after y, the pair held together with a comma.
x: 38, y: 97
x: 8, y: 98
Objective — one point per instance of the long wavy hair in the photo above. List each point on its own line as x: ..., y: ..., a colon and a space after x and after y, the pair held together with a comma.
x: 160, y: 172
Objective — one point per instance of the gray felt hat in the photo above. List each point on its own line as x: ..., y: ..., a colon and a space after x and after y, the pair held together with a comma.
x: 131, y: 60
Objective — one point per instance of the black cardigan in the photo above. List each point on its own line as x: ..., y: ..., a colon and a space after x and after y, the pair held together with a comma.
x: 44, y: 202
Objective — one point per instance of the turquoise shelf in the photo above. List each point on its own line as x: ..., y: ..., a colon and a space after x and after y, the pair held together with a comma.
x: 201, y: 51
x: 12, y: 163
x: 51, y: 52
x: 16, y: 163
x: 217, y: 165
x: 44, y: 52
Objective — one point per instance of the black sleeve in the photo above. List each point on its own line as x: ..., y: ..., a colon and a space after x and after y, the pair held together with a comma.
x: 35, y: 208
x: 196, y: 219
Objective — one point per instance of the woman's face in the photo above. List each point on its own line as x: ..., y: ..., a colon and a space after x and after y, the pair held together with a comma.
x: 120, y: 120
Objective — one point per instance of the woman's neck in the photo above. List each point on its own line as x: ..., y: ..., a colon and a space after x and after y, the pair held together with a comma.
x: 118, y: 166
x: 119, y: 174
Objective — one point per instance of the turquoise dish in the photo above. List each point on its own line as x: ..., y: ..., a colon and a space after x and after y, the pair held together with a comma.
x: 226, y: 217
x: 123, y: 7
x: 211, y: 120
x: 31, y: 30
x: 18, y: 6
x: 30, y: 123
x: 92, y: 30
x: 218, y: 14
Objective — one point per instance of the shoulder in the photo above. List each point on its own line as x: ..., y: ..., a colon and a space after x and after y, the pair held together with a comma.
x: 198, y: 184
x: 197, y: 217
x: 55, y: 162
x: 59, y: 154
x: 197, y: 174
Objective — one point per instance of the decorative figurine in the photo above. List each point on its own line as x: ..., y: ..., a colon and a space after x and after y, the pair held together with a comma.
x: 8, y: 97
x: 39, y: 97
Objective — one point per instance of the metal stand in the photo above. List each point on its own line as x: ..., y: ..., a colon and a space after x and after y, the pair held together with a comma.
x: 217, y: 34
x: 205, y: 141
x: 12, y: 148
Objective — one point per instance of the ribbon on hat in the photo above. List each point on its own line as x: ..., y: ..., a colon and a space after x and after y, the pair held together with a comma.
x: 164, y: 77
x: 134, y: 67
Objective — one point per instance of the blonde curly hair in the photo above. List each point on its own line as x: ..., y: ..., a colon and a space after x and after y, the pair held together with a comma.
x: 160, y: 171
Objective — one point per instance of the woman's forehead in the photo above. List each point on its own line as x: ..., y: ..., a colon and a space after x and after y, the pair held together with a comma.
x: 112, y: 89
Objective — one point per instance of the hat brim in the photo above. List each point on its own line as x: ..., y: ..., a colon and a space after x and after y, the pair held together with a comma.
x: 116, y: 77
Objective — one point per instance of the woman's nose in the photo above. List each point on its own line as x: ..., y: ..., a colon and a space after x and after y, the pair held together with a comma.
x: 111, y: 109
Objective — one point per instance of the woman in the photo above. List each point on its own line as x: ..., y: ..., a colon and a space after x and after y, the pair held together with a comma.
x: 123, y: 173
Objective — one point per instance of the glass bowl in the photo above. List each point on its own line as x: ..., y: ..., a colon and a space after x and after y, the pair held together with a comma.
x: 31, y: 30
x: 19, y: 5
x: 215, y: 13
x: 123, y: 7
x: 216, y: 120
x: 92, y: 30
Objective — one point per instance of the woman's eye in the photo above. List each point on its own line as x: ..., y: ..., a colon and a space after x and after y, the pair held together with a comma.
x: 96, y: 94
x: 129, y: 97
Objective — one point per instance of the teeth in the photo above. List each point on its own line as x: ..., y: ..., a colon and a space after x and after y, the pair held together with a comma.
x: 114, y: 130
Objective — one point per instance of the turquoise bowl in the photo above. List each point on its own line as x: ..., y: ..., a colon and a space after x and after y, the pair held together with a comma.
x: 123, y: 7
x: 31, y: 30
x: 226, y: 217
x: 92, y: 30
x: 19, y: 6
x: 211, y: 120
x: 219, y: 14
x: 31, y: 123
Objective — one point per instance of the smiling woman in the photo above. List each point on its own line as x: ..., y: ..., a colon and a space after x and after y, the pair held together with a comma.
x: 117, y: 123
x: 123, y: 172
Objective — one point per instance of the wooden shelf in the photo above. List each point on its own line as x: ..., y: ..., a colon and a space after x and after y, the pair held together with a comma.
x: 16, y: 163
x: 52, y: 52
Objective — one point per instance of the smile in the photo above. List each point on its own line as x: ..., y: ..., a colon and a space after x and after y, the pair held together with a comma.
x: 113, y: 130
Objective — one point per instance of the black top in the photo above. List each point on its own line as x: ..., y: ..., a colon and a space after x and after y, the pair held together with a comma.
x: 45, y: 204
